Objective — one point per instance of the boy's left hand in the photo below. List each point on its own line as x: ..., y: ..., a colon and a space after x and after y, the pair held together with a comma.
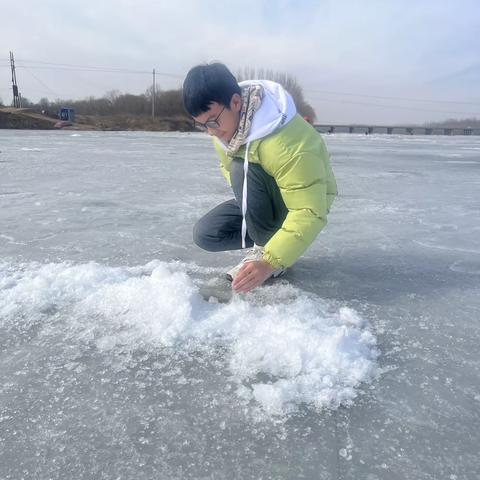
x: 251, y: 275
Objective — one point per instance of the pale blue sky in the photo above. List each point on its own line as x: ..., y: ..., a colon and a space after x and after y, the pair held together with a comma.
x: 345, y: 54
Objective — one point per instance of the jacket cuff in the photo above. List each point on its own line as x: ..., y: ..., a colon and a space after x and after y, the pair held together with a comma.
x: 272, y: 261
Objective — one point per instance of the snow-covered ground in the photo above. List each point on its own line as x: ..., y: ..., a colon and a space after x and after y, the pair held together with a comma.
x: 361, y: 363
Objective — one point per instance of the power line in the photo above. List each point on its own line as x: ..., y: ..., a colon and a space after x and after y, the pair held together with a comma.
x: 86, y: 69
x: 41, y: 82
x: 90, y: 68
x: 42, y: 65
x: 77, y: 65
x: 34, y: 90
x: 394, y: 106
x: 392, y: 98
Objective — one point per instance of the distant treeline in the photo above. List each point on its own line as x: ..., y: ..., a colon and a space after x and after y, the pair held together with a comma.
x: 466, y: 123
x: 168, y: 103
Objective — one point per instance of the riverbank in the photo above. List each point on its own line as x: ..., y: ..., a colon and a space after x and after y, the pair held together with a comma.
x: 26, y: 119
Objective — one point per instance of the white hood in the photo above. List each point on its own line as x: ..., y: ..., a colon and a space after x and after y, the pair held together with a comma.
x: 276, y: 110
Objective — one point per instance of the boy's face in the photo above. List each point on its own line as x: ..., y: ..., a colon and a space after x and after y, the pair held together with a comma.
x: 227, y: 118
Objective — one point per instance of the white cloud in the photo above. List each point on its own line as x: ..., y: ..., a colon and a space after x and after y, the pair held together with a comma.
x: 379, y: 48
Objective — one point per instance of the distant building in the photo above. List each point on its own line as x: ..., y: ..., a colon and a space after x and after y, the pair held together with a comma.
x: 67, y: 114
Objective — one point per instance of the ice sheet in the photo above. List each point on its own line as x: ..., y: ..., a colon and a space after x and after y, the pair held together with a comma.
x: 94, y: 384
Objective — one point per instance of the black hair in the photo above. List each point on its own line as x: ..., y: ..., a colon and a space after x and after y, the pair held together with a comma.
x: 205, y: 84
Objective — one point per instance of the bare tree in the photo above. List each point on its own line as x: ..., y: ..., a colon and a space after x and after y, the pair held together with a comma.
x: 456, y: 123
x: 112, y: 96
x: 288, y: 81
x: 168, y: 103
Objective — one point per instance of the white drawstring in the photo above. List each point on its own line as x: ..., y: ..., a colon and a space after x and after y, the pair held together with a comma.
x: 244, y: 197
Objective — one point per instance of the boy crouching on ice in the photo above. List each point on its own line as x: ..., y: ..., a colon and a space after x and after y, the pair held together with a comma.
x: 277, y: 165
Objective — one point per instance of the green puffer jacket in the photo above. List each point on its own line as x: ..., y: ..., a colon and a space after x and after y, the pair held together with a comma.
x: 296, y: 157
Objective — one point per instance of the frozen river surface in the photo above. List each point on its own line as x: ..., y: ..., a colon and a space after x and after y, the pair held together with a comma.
x: 117, y: 362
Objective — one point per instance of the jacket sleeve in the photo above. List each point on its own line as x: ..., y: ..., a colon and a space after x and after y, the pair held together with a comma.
x: 302, y: 181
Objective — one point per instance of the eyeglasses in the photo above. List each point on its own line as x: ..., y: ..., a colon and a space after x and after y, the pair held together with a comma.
x: 213, y: 124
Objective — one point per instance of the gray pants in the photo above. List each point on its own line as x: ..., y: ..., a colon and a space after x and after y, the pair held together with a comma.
x: 221, y: 228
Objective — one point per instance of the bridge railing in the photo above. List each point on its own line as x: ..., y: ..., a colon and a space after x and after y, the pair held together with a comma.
x: 395, y: 129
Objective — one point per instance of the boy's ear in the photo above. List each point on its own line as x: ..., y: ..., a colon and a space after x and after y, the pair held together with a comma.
x: 236, y: 103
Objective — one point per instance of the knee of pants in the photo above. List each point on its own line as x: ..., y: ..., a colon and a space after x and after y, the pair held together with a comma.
x: 199, y: 234
x: 202, y: 236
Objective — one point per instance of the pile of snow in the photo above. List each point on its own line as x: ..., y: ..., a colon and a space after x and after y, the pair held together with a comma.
x: 298, y: 349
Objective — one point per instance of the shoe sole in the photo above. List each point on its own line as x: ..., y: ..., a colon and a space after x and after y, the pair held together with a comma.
x: 280, y: 274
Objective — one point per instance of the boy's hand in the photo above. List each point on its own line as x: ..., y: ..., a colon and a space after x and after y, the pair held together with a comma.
x: 251, y: 275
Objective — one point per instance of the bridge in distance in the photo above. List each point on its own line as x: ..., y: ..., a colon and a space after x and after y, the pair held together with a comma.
x: 368, y: 129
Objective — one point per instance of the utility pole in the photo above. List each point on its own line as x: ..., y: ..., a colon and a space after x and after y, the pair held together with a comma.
x: 153, y: 95
x: 16, y: 97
